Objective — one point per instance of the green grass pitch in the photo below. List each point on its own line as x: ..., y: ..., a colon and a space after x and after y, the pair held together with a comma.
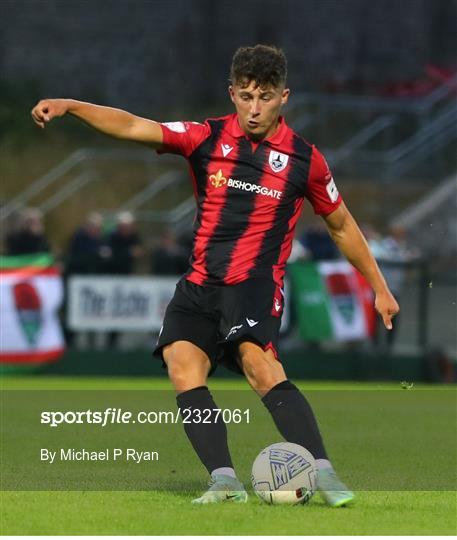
x: 375, y: 512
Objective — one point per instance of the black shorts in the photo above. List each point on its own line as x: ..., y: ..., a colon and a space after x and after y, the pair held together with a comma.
x: 217, y: 318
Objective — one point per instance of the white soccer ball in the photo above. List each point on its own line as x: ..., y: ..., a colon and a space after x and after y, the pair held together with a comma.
x: 284, y: 473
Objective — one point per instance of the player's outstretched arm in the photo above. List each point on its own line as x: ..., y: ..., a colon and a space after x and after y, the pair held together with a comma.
x: 347, y: 236
x: 114, y: 122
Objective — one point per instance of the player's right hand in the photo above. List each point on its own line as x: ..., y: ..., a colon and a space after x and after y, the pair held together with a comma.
x: 47, y: 109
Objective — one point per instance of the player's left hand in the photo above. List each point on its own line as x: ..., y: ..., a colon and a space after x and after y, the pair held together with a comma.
x: 387, y: 307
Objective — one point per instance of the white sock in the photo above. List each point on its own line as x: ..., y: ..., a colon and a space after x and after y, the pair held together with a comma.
x: 323, y: 464
x: 228, y: 471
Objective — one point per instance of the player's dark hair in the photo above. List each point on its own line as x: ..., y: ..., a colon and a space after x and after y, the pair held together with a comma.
x: 264, y: 64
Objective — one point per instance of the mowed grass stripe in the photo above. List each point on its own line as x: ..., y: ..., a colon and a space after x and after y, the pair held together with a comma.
x: 115, y: 513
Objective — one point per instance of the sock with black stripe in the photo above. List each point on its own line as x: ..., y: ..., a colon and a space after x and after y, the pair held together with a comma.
x: 294, y: 417
x: 209, y: 438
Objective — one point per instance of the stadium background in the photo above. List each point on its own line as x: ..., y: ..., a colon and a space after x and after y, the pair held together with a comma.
x: 373, y: 86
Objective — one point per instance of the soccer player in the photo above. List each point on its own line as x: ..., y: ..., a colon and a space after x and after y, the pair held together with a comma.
x: 250, y: 174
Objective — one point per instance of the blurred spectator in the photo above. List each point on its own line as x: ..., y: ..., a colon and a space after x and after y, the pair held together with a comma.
x: 30, y: 236
x: 87, y: 253
x: 169, y: 257
x: 371, y: 234
x: 124, y: 244
x: 125, y: 248
x: 317, y: 242
x: 393, y: 256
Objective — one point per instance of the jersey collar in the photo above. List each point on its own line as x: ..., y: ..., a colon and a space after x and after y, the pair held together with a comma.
x: 276, y: 139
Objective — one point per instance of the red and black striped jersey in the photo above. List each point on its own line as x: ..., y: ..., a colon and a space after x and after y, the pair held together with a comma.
x: 249, y: 196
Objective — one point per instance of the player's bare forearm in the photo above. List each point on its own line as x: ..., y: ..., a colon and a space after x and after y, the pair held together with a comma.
x: 350, y: 241
x: 110, y: 121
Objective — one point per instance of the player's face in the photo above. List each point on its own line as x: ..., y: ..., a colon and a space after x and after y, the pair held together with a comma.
x: 258, y: 108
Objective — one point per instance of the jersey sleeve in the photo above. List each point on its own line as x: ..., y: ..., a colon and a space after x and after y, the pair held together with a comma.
x: 182, y: 137
x: 321, y: 190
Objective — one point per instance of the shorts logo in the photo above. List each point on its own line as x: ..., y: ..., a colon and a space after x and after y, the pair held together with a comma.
x: 218, y: 179
x: 251, y: 322
x: 278, y: 302
x: 332, y: 190
x: 233, y: 330
x: 278, y: 162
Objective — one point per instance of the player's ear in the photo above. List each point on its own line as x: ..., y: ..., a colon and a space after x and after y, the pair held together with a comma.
x: 231, y: 93
x: 285, y: 96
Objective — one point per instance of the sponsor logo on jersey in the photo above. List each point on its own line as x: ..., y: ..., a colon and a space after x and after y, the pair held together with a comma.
x: 251, y: 322
x: 261, y: 190
x: 218, y: 180
x: 278, y: 162
x: 226, y: 149
x: 177, y: 127
x: 332, y: 190
x: 277, y: 304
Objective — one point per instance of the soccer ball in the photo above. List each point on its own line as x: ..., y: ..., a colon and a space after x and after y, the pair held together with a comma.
x: 284, y: 473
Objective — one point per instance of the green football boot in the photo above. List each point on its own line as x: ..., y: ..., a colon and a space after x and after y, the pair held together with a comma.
x: 332, y: 489
x: 223, y: 488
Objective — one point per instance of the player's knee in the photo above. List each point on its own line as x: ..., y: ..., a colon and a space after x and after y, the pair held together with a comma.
x: 176, y: 365
x: 184, y: 369
x: 177, y: 374
x: 262, y: 370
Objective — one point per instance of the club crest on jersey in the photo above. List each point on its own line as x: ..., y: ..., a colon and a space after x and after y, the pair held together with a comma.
x: 278, y: 162
x: 218, y: 179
